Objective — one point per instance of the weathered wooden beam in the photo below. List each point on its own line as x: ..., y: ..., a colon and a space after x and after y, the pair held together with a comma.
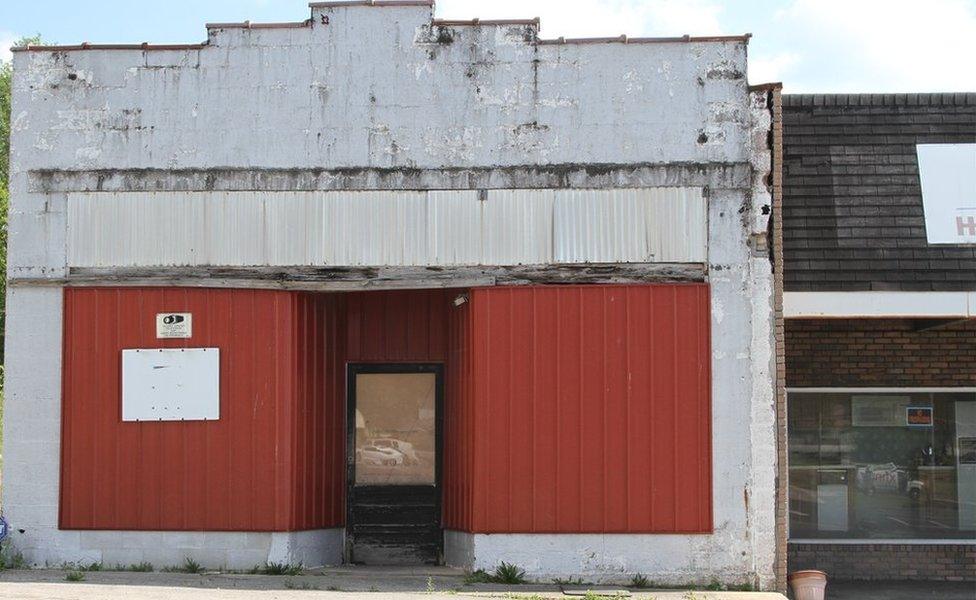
x: 366, y: 278
x: 717, y: 175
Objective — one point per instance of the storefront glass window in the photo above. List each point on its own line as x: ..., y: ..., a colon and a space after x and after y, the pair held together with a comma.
x: 395, y: 428
x: 893, y: 465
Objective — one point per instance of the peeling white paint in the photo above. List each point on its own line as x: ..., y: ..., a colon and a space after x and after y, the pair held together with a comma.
x: 283, y: 99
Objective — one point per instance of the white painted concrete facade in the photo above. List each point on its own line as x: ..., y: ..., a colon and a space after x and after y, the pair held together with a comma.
x: 382, y: 99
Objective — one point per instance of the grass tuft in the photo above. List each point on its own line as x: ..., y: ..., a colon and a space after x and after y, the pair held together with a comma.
x: 74, y: 576
x: 639, y: 580
x: 479, y: 576
x: 508, y: 573
x: 189, y: 566
x: 12, y: 561
x: 273, y: 568
x: 505, y: 573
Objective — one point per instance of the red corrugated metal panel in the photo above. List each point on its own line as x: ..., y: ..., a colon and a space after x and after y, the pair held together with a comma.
x: 458, y: 422
x: 380, y: 326
x: 241, y: 472
x: 592, y: 409
x: 397, y: 326
x: 320, y: 413
x: 568, y: 408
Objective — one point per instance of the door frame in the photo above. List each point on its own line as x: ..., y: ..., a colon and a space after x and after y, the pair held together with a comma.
x: 358, y: 368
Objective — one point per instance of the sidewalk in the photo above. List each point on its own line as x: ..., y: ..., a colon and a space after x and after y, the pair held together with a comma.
x: 386, y: 583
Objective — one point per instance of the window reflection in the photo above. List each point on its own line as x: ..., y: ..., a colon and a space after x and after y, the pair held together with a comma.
x: 891, y: 465
x: 395, y: 428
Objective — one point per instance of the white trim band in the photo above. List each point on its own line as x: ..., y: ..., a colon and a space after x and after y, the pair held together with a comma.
x: 879, y: 304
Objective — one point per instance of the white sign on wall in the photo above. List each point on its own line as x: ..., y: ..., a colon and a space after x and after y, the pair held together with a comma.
x: 878, y: 411
x: 171, y: 384
x: 948, y: 177
x: 174, y: 325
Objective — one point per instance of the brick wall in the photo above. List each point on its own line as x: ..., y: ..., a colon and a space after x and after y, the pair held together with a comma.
x: 879, y: 353
x: 782, y: 463
x: 882, y: 353
x: 932, y: 562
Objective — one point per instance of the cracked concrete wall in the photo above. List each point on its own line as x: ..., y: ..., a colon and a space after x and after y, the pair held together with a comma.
x: 376, y: 88
x: 382, y: 87
x: 375, y: 93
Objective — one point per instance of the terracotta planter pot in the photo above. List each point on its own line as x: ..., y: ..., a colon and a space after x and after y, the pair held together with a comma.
x: 808, y: 585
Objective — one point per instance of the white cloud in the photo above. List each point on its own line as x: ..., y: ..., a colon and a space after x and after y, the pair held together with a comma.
x: 7, y: 40
x: 593, y: 18
x: 874, y: 45
x: 809, y: 45
x: 770, y: 68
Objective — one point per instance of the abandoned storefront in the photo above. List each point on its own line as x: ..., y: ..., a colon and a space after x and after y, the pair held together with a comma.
x: 880, y: 276
x: 378, y: 288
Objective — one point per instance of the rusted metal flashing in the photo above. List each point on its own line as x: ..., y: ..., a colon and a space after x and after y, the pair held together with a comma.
x: 487, y: 22
x: 387, y: 3
x: 766, y: 87
x: 623, y: 39
x: 362, y: 278
x: 89, y: 46
x: 231, y: 179
x: 250, y: 25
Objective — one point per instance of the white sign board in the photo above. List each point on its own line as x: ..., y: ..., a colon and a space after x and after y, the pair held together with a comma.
x: 174, y: 325
x: 948, y: 176
x: 879, y: 411
x: 171, y: 384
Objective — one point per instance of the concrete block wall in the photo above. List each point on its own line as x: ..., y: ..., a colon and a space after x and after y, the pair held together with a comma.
x: 347, y: 105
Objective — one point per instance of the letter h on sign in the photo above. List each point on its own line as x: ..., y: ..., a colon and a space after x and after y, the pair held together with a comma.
x: 966, y: 226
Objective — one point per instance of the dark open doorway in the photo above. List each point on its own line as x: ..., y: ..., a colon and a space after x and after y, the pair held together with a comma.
x: 393, y: 450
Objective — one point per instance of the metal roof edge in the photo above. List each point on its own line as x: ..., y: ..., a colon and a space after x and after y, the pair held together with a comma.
x: 648, y: 40
x: 90, y: 46
x: 772, y: 85
x: 378, y: 3
x: 488, y: 22
x: 250, y: 25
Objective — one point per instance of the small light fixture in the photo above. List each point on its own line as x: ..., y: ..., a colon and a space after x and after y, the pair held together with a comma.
x: 460, y: 299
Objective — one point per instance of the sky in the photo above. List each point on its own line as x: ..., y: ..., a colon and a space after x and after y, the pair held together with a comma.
x: 810, y: 45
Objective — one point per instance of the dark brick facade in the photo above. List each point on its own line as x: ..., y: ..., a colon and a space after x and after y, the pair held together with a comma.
x: 882, y: 353
x: 879, y: 353
x: 932, y: 562
x: 852, y: 203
